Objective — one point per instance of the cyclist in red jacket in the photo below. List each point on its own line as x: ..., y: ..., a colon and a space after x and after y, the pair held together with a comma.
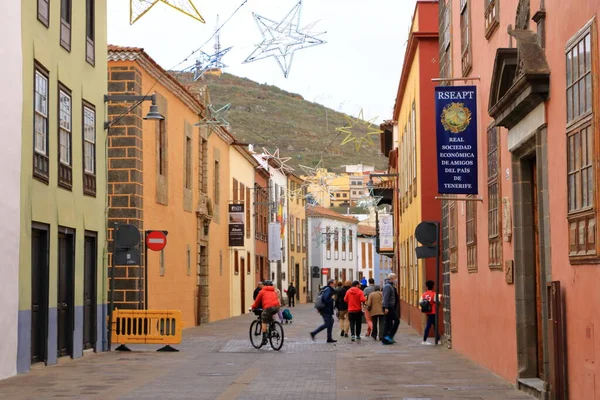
x: 268, y: 300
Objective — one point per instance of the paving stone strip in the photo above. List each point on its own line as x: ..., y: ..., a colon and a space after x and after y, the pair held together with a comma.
x: 217, y: 361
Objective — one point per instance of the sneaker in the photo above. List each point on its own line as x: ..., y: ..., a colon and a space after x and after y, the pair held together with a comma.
x: 353, y: 338
x: 385, y: 342
x: 312, y: 336
x: 358, y: 338
x: 426, y: 343
x: 346, y: 335
x: 342, y: 334
x: 331, y: 341
x: 388, y: 339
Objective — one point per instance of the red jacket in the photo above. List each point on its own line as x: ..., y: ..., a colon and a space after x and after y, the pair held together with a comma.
x: 354, y: 297
x: 266, y: 298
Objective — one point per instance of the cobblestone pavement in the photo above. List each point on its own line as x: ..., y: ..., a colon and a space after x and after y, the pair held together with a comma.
x: 216, y: 361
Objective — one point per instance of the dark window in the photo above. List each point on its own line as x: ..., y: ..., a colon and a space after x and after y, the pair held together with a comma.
x: 188, y: 163
x: 43, y: 12
x: 216, y: 188
x: 40, y: 134
x: 580, y: 147
x: 65, y: 108
x: 90, y: 31
x: 494, y: 210
x: 465, y: 37
x: 453, y: 236
x: 247, y: 206
x: 89, y: 150
x: 65, y: 24
x: 472, y: 236
x: 445, y: 26
x: 162, y: 148
x: 492, y: 17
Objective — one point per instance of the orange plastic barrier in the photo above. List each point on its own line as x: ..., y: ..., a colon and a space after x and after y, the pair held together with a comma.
x: 146, y: 327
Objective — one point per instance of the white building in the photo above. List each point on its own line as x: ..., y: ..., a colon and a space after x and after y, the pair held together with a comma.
x: 358, y: 169
x: 333, y: 245
x: 366, y: 252
x: 11, y: 81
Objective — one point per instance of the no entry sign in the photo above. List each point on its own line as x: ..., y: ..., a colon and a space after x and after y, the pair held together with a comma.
x: 325, y: 271
x: 156, y: 240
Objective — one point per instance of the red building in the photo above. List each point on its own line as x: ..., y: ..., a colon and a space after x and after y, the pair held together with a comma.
x: 406, y: 141
x: 522, y: 266
x: 261, y: 222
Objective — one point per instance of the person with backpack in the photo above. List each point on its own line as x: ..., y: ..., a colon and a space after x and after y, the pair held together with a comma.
x: 342, y: 307
x: 291, y: 292
x: 428, y: 307
x: 355, y: 298
x: 324, y: 306
x: 391, y: 309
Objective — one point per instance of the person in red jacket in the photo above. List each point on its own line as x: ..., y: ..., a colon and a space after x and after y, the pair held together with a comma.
x: 429, y: 296
x: 268, y: 300
x: 355, y: 297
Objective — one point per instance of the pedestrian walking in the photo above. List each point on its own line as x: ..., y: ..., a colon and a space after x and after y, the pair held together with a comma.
x: 428, y: 307
x: 375, y: 308
x: 391, y: 309
x: 342, y: 308
x: 291, y: 292
x: 259, y: 287
x: 326, y: 313
x: 355, y: 298
x: 368, y: 290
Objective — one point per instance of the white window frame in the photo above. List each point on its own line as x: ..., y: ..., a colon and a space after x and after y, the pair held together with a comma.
x: 89, y: 140
x: 41, y: 113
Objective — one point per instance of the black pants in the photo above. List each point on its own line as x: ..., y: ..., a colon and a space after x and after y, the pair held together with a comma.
x: 377, y: 326
x: 392, y: 322
x: 355, y: 319
x: 292, y: 301
x: 430, y: 324
x: 327, y: 324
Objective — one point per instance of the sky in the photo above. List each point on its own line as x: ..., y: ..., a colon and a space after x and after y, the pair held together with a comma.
x: 358, y: 68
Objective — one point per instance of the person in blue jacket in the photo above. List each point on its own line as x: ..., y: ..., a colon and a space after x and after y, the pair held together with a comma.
x: 326, y: 313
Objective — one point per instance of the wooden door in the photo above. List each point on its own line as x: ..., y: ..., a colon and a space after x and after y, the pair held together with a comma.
x: 538, y: 274
x: 556, y: 342
x: 89, y: 292
x: 39, y: 295
x: 65, y: 295
x: 297, y: 282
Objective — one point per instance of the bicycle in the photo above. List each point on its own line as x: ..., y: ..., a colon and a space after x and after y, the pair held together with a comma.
x: 274, y: 332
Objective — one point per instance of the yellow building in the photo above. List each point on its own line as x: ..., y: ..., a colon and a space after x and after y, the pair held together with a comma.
x: 298, y: 237
x: 242, y: 169
x: 340, y: 190
x: 62, y: 282
x: 319, y: 187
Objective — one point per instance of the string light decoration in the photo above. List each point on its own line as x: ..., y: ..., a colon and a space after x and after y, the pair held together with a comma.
x: 215, y: 117
x: 138, y: 8
x: 282, y: 39
x: 369, y: 201
x: 359, y: 131
x: 316, y: 180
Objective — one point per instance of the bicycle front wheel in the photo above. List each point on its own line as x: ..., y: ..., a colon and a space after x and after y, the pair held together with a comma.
x: 256, y: 334
x: 276, y: 336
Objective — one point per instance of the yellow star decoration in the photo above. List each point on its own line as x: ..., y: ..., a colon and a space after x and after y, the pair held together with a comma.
x: 359, y: 131
x: 140, y: 7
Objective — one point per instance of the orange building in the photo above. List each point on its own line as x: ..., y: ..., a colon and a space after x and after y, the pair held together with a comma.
x: 154, y: 182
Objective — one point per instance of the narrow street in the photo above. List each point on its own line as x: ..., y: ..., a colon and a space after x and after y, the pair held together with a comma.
x: 216, y: 361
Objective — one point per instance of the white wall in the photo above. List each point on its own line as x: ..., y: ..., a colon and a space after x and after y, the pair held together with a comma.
x: 11, y: 82
x: 365, y: 256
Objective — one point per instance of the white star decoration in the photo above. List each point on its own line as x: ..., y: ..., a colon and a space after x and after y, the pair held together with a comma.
x: 140, y: 7
x: 369, y: 201
x: 215, y: 117
x: 280, y: 162
x: 282, y: 39
x: 208, y: 61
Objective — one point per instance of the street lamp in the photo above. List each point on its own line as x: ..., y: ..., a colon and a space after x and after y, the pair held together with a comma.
x: 153, y: 114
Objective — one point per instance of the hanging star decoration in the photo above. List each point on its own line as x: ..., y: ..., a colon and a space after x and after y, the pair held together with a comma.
x: 138, y: 8
x: 369, y: 201
x: 207, y: 62
x: 215, y: 117
x: 282, y: 39
x: 359, y: 131
x: 294, y: 194
x: 316, y: 180
x: 278, y: 161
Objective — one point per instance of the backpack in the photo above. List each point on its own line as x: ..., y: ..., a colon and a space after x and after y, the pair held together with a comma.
x: 287, y: 315
x: 425, y: 306
x: 319, y: 303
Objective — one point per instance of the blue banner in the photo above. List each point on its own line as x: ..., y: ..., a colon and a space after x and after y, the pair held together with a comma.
x: 456, y: 128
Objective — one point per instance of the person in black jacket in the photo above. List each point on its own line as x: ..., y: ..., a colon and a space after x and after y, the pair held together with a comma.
x: 259, y: 287
x: 291, y: 292
x: 391, y: 308
x: 342, y: 308
x: 326, y: 313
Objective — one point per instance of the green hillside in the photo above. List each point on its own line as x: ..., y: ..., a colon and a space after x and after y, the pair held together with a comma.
x: 269, y: 117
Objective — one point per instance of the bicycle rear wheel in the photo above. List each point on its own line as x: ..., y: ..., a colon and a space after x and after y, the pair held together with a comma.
x: 256, y: 334
x: 276, y: 335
